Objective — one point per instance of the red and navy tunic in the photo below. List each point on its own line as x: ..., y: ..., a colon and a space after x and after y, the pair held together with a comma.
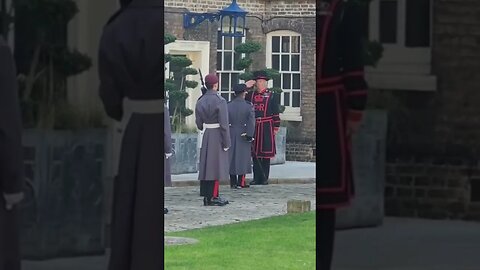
x: 341, y: 97
x: 267, y: 121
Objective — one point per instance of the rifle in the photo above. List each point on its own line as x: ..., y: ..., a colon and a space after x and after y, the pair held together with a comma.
x: 204, y: 89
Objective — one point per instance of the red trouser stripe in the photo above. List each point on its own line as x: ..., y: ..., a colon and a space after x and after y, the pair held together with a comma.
x: 215, y: 189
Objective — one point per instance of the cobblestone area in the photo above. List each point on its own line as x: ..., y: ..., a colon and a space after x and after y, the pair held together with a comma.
x: 186, y: 210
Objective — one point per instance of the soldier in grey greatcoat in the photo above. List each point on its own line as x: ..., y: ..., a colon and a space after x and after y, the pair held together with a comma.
x: 11, y: 166
x: 211, y: 115
x: 241, y: 116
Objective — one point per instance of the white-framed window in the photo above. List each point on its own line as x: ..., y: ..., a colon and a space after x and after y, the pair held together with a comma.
x: 284, y: 54
x: 227, y: 59
x: 404, y: 27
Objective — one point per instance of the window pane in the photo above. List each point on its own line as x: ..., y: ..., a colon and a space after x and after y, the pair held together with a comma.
x: 227, y: 58
x: 295, y: 62
x: 286, y: 44
x: 219, y: 61
x: 276, y: 62
x: 388, y: 21
x: 228, y: 43
x: 225, y: 82
x: 285, y: 62
x: 296, y: 99
x: 287, y: 81
x: 235, y: 79
x: 240, y: 25
x: 219, y: 40
x: 296, y: 81
x: 286, y: 99
x: 417, y: 23
x: 277, y: 83
x: 225, y: 96
x: 296, y: 44
x: 237, y: 57
x: 276, y: 44
x: 238, y: 41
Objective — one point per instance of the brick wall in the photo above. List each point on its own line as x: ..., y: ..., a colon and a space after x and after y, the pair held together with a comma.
x: 438, y: 124
x: 304, y: 152
x: 456, y: 62
x: 266, y: 8
x: 432, y: 187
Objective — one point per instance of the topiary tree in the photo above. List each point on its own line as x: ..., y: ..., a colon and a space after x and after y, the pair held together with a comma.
x: 248, y: 48
x: 177, y: 84
x: 6, y: 18
x: 44, y: 59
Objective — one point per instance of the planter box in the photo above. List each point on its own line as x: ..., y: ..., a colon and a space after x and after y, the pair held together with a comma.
x: 186, y: 155
x: 62, y: 214
x: 281, y: 141
x: 369, y: 147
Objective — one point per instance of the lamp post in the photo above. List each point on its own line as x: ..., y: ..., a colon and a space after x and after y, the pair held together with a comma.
x: 232, y: 20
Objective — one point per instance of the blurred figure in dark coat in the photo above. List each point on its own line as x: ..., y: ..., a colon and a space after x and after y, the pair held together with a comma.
x: 11, y: 166
x: 131, y: 70
x: 340, y: 101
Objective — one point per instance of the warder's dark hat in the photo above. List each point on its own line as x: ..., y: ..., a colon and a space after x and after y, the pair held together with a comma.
x: 238, y: 88
x: 261, y: 75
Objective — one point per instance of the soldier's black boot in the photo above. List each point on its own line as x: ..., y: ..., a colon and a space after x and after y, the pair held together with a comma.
x: 214, y: 202
x: 206, y: 201
x: 233, y: 181
x: 218, y: 201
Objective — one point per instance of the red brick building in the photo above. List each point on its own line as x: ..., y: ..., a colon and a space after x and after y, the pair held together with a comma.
x: 286, y: 31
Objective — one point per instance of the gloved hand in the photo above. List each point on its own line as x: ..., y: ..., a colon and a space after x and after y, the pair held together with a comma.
x: 168, y: 155
x: 12, y: 199
x: 246, y: 137
x: 225, y: 149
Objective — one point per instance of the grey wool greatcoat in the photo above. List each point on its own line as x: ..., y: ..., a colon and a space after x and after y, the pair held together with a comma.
x: 211, y: 108
x: 241, y: 116
x: 168, y: 148
x: 11, y: 167
x: 131, y: 66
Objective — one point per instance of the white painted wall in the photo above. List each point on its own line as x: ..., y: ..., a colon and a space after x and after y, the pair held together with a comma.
x: 199, y: 53
x: 84, y: 33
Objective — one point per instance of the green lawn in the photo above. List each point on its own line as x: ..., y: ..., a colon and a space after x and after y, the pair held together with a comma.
x: 284, y: 242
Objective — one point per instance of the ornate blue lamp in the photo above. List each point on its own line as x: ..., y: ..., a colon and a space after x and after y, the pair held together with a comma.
x: 232, y: 20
